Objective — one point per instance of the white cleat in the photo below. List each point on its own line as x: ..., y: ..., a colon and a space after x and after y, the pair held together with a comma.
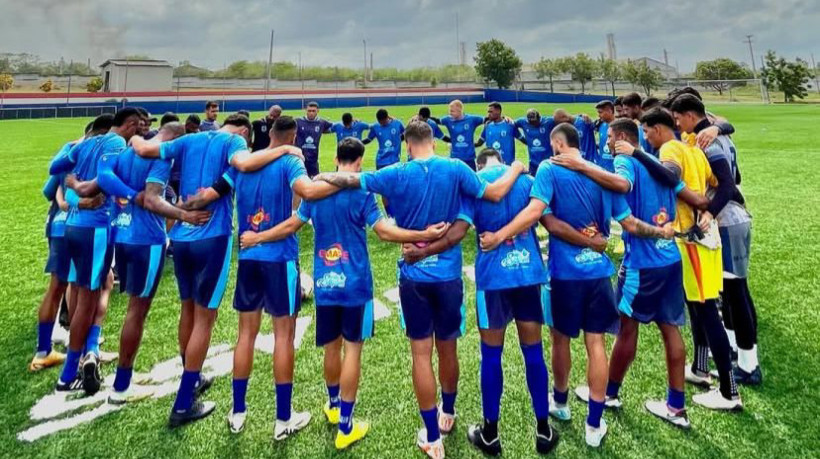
x: 559, y: 412
x: 594, y: 436
x: 434, y: 450
x: 714, y: 400
x: 236, y: 421
x: 446, y: 422
x: 582, y: 392
x: 133, y: 394
x: 704, y: 381
x: 284, y: 429
x: 660, y: 409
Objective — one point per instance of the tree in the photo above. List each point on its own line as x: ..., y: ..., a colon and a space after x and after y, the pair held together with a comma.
x: 94, y: 84
x: 713, y: 74
x: 582, y: 68
x: 609, y: 70
x: 549, y: 68
x: 643, y: 76
x: 792, y: 78
x: 495, y: 61
x: 47, y: 86
x: 6, y: 82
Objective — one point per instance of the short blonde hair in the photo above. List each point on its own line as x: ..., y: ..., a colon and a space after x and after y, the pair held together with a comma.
x: 457, y: 103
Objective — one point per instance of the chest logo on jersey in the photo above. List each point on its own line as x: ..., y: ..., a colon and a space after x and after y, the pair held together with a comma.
x: 460, y: 138
x: 331, y: 280
x: 316, y: 128
x: 334, y: 254
x: 256, y: 220
x: 536, y: 143
x: 542, y: 131
x: 503, y: 133
x: 393, y: 131
x: 516, y: 258
x: 264, y: 128
x: 662, y: 217
x: 497, y: 145
x: 309, y: 140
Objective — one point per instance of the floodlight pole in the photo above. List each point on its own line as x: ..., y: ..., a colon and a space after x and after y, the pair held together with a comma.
x: 267, y: 72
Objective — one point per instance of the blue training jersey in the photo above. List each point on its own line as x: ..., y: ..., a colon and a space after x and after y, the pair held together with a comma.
x: 462, y: 135
x: 355, y: 130
x: 586, y: 138
x: 341, y: 264
x: 264, y: 199
x: 500, y: 136
x: 584, y: 205
x: 605, y: 158
x: 425, y: 192
x: 204, y: 158
x: 85, y: 157
x: 56, y: 218
x: 389, y: 137
x: 516, y: 262
x: 537, y: 137
x: 134, y: 224
x: 652, y: 203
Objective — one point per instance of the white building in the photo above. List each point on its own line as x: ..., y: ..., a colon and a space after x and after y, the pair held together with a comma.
x: 121, y: 75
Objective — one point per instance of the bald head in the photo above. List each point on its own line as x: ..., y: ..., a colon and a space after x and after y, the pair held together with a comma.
x: 274, y: 112
x: 172, y: 130
x: 561, y: 116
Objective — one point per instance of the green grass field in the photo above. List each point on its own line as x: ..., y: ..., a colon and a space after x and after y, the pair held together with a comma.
x: 778, y: 160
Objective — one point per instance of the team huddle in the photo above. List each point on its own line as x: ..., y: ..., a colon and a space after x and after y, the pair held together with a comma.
x: 666, y: 171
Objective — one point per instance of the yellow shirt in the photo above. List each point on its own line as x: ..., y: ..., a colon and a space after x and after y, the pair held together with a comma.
x: 695, y: 174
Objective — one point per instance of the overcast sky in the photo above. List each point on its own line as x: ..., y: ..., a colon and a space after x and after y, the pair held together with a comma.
x: 404, y: 33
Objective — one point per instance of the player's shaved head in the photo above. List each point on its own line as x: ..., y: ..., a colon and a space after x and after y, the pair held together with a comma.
x: 567, y: 134
x: 418, y: 132
x: 485, y: 155
x: 172, y: 129
x: 283, y: 127
x: 561, y: 116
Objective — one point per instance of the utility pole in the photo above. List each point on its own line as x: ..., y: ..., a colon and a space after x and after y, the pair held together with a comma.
x: 458, y: 43
x: 267, y: 72
x: 364, y: 78
x: 748, y: 41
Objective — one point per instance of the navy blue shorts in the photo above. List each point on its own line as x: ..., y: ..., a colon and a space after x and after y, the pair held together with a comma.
x: 432, y: 308
x: 139, y: 268
x: 91, y: 253
x: 202, y: 268
x: 353, y: 323
x: 495, y: 309
x: 59, y: 261
x: 270, y: 285
x: 652, y: 294
x: 587, y: 305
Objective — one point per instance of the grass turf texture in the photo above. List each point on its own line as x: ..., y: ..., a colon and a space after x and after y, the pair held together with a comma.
x: 779, y: 180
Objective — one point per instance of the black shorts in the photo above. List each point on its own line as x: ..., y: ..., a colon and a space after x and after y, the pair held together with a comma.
x: 587, y: 305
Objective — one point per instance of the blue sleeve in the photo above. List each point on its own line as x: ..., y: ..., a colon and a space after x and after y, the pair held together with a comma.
x: 437, y: 132
x: 466, y: 212
x: 625, y: 169
x: 483, y: 135
x: 326, y: 126
x: 383, y: 181
x: 236, y: 145
x: 620, y: 209
x: 401, y: 128
x: 295, y: 170
x: 114, y: 144
x: 174, y: 148
x: 542, y: 189
x: 303, y: 211
x: 71, y: 198
x: 108, y: 180
x: 51, y: 186
x: 519, y: 133
x: 372, y: 213
x: 477, y: 121
x: 469, y: 182
x: 64, y: 163
x: 372, y: 133
x: 160, y: 172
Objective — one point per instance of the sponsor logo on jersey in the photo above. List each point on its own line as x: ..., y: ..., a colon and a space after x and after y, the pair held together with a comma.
x: 257, y: 219
x: 332, y: 280
x: 334, y: 254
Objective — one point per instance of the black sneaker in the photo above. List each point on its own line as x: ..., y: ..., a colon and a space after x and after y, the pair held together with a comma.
x: 73, y: 386
x: 91, y: 374
x: 197, y: 411
x: 205, y: 383
x: 546, y: 441
x: 755, y: 378
x: 491, y: 446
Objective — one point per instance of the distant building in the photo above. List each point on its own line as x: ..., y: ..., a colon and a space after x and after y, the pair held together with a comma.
x: 120, y: 75
x: 669, y: 72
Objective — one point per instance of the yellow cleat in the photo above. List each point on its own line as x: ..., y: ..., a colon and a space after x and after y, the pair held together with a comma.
x: 52, y: 359
x: 332, y: 414
x: 360, y: 429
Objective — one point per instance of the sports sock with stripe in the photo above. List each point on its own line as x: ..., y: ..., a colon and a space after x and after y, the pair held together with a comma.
x: 333, y: 396
x: 346, y: 416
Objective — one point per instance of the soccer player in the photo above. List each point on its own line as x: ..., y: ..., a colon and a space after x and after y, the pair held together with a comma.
x: 192, y: 124
x: 202, y: 254
x: 138, y: 185
x: 462, y: 128
x: 349, y: 128
x: 262, y: 127
x: 308, y: 135
x: 167, y: 117
x: 581, y: 293
x: 633, y: 110
x: 344, y: 284
x: 390, y: 134
x: 606, y: 115
x: 499, y: 133
x: 586, y: 131
x: 431, y: 291
x: 58, y: 265
x: 701, y: 258
x: 211, y: 112
x: 734, y: 222
x: 425, y: 115
x: 88, y: 239
x: 650, y: 285
x: 618, y: 104
x: 536, y: 136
